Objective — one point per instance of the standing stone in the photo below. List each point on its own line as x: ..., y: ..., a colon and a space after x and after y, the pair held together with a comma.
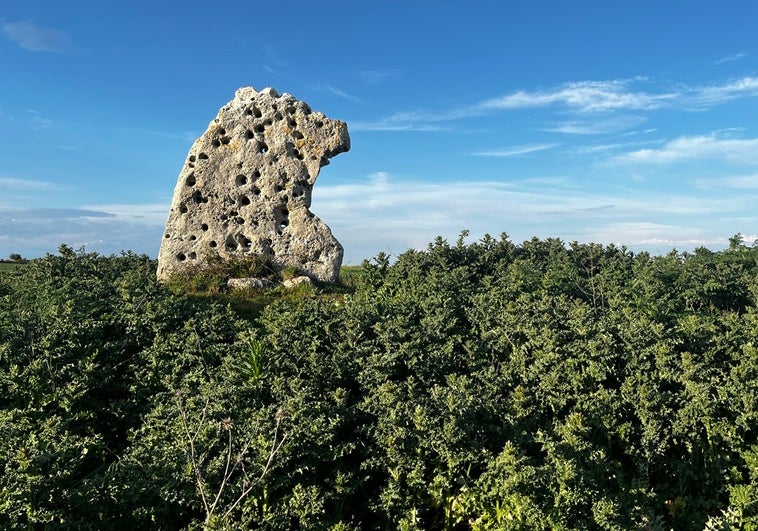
x: 245, y: 188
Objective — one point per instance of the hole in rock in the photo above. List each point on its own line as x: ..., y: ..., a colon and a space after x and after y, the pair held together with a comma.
x: 298, y: 135
x: 249, y: 134
x: 198, y: 198
x: 256, y: 174
x: 240, y: 220
x: 240, y: 180
x: 192, y: 256
x: 183, y: 208
x: 290, y: 109
x: 259, y: 128
x: 192, y: 158
x: 306, y: 109
x: 221, y: 131
x: 192, y: 238
x: 212, y: 243
x: 263, y: 148
x: 190, y: 180
x: 230, y: 244
x: 204, y: 226
x: 215, y: 143
x: 256, y: 190
x: 225, y: 140
x: 244, y: 200
x: 167, y: 235
x: 319, y: 124
x: 202, y: 156
x: 257, y: 112
x: 292, y: 123
x: 181, y: 257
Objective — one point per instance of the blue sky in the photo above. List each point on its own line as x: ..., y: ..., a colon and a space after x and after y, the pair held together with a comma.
x: 631, y: 123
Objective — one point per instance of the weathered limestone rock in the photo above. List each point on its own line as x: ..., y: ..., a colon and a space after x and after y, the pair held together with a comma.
x: 246, y: 188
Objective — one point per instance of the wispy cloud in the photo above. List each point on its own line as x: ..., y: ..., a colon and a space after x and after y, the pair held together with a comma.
x: 585, y: 96
x: 275, y: 63
x: 515, y: 151
x: 597, y: 126
x: 372, y: 77
x: 616, y: 95
x: 594, y: 107
x: 741, y: 151
x: 153, y: 214
x: 35, y: 38
x: 39, y: 121
x: 741, y: 182
x: 9, y: 183
x: 400, y: 122
x: 342, y: 94
x: 731, y: 58
x: 186, y: 136
x: 715, y: 94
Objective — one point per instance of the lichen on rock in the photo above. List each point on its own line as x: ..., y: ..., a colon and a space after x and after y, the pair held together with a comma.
x: 246, y: 187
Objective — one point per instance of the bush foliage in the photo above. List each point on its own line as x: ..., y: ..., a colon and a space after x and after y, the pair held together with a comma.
x: 468, y: 386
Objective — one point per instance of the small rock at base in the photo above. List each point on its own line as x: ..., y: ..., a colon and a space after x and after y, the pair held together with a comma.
x: 249, y: 283
x: 296, y: 281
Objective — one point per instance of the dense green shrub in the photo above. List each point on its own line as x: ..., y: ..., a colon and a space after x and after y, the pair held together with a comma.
x: 468, y: 386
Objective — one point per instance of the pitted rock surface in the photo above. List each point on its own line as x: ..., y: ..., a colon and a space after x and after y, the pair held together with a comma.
x: 246, y: 188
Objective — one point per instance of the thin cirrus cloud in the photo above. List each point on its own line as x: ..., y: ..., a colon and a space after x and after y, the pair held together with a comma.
x: 616, y: 95
x: 373, y: 76
x: 35, y: 38
x: 596, y: 105
x: 341, y: 93
x: 730, y: 58
x: 515, y: 151
x: 738, y: 151
x: 744, y: 87
x: 585, y: 96
x: 400, y: 122
x: 601, y: 126
x: 10, y: 183
x: 739, y: 182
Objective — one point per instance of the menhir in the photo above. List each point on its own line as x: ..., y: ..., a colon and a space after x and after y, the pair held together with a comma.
x: 246, y: 186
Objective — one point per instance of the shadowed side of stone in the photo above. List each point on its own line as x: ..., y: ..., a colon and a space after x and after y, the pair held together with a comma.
x: 246, y: 187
